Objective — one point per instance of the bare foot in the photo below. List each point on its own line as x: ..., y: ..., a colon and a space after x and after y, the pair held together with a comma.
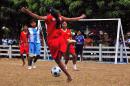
x: 23, y: 63
x: 69, y: 79
x: 76, y: 69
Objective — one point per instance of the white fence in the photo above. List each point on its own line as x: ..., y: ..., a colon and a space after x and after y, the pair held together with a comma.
x: 98, y: 52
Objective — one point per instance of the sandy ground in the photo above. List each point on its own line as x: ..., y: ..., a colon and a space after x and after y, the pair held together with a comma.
x: 12, y: 73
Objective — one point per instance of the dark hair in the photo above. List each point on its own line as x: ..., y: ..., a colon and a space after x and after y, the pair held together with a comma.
x: 55, y: 14
x: 30, y: 21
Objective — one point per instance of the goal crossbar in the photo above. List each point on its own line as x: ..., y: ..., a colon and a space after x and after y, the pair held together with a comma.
x: 110, y: 19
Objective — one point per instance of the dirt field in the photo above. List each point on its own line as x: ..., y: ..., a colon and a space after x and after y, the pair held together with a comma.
x: 90, y: 74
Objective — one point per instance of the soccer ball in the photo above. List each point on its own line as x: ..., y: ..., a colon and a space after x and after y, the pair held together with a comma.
x: 56, y: 71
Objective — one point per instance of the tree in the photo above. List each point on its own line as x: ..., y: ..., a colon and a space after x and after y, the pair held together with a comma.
x: 92, y: 8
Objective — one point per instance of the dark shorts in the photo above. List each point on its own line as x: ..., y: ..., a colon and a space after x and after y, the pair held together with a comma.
x: 79, y: 49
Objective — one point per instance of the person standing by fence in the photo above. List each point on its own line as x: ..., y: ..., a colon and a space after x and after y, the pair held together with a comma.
x: 79, y: 44
x: 23, y: 43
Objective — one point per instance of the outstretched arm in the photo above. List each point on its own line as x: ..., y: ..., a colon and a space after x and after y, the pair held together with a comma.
x: 75, y: 18
x: 27, y: 11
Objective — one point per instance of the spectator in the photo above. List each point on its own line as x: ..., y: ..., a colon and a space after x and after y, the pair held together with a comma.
x: 79, y: 44
x: 4, y: 41
x: 128, y: 39
x: 88, y: 41
x: 106, y: 39
x: 10, y: 41
x: 101, y: 36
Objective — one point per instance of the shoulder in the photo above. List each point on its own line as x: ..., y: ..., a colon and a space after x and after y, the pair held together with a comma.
x: 21, y: 32
x: 49, y: 17
x: 30, y: 28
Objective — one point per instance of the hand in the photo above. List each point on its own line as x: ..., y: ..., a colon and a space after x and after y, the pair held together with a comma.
x: 82, y: 16
x: 23, y: 9
x: 26, y: 44
x: 70, y: 41
x: 42, y: 44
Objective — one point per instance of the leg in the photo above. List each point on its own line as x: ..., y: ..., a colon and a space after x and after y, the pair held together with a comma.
x: 31, y: 54
x: 74, y: 61
x: 27, y: 56
x: 30, y: 62
x: 60, y: 64
x: 67, y: 50
x: 22, y: 57
x: 66, y: 62
x: 81, y: 52
x: 37, y: 51
x: 36, y: 58
x: 67, y: 55
x: 81, y: 57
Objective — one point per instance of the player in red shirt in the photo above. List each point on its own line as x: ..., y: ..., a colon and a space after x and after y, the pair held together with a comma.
x: 56, y: 42
x: 70, y: 45
x: 23, y: 43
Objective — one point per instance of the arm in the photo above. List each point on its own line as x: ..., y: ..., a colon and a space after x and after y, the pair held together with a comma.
x: 75, y: 18
x: 24, y: 10
x: 20, y: 39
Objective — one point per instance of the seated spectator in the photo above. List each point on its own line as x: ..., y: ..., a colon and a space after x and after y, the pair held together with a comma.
x: 10, y: 41
x: 88, y: 41
x: 4, y: 41
x: 106, y: 39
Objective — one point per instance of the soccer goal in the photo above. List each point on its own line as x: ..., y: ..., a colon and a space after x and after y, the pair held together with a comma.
x: 119, y: 34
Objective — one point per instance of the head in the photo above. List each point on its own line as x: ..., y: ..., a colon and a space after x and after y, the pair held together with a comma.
x: 25, y: 28
x: 79, y: 32
x: 55, y: 14
x: 32, y: 23
x: 64, y: 25
x: 101, y: 32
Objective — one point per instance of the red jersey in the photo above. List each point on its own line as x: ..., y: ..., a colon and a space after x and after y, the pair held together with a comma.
x: 56, y: 42
x: 66, y: 34
x: 24, y: 47
x: 52, y: 31
x: 23, y: 37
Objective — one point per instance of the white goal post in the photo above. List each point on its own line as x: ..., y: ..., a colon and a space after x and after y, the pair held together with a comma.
x: 119, y: 29
x: 119, y: 32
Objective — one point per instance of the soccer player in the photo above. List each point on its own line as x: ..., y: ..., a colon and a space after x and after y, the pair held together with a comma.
x: 56, y: 42
x: 70, y: 45
x: 35, y: 42
x: 23, y: 43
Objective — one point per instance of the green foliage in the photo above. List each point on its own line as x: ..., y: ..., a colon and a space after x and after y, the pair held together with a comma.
x: 69, y: 8
x: 74, y: 6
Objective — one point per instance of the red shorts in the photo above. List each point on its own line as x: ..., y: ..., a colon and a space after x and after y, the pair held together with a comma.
x: 57, y: 47
x: 72, y: 49
x: 24, y: 48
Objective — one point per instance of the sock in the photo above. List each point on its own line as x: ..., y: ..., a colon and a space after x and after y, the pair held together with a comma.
x: 74, y: 66
x: 30, y: 61
x: 65, y: 66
